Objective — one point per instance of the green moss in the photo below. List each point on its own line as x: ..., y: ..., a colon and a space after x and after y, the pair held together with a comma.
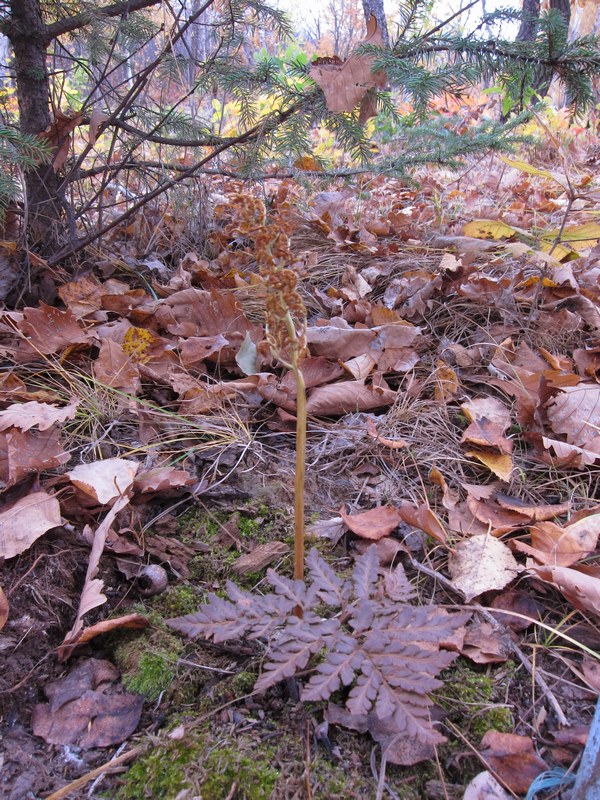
x: 159, y: 773
x: 148, y: 662
x: 470, y: 698
x: 254, y: 775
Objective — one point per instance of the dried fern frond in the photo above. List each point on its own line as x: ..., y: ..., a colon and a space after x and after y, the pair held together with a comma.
x: 386, y: 652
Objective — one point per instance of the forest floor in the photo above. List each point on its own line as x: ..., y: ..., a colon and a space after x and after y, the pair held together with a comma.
x: 147, y: 453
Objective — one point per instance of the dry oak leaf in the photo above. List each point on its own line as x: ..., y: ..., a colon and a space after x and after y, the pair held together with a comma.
x: 535, y: 513
x: 486, y: 644
x: 513, y: 758
x: 581, y: 588
x: 58, y: 133
x: 344, y: 85
x: 27, y: 520
x: 575, y: 412
x: 30, y: 451
x: 480, y: 564
x: 161, y: 479
x: 489, y: 419
x: 49, y: 330
x: 114, y: 368
x: 104, y: 481
x: 373, y: 524
x: 260, y: 557
x: 33, y: 414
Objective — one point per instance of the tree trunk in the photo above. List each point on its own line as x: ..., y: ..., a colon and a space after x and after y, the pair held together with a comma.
x: 375, y: 8
x: 531, y: 11
x: 27, y: 34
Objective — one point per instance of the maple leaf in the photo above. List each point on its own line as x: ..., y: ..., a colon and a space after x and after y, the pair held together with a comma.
x: 385, y: 653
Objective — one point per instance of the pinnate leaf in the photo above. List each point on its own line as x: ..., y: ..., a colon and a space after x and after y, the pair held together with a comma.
x: 387, y: 653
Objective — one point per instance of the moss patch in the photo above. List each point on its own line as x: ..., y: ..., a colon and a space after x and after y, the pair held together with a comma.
x: 148, y: 662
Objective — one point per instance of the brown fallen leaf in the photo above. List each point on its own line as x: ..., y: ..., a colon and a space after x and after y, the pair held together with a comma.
x: 131, y: 621
x: 556, y: 546
x: 87, y: 709
x: 161, y: 479
x: 480, y: 564
x: 260, y: 557
x: 4, y: 608
x: 522, y: 604
x: 104, y: 481
x: 534, y: 512
x: 50, y: 330
x: 581, y: 589
x: 33, y: 414
x: 569, y: 455
x: 513, y: 758
x: 30, y: 451
x: 27, y: 520
x: 394, y: 444
x: 486, y: 644
x: 575, y: 412
x: 424, y: 518
x: 387, y: 549
x: 114, y: 368
x: 347, y: 398
x: 501, y: 464
x: 489, y: 420
x: 91, y: 594
x: 373, y: 524
x: 345, y: 84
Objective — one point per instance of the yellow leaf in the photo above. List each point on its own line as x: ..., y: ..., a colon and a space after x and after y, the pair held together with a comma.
x: 489, y: 229
x: 136, y: 343
x: 581, y: 237
x: 523, y: 166
x: 499, y: 463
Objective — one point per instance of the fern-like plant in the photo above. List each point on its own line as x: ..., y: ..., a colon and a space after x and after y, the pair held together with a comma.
x: 384, y: 652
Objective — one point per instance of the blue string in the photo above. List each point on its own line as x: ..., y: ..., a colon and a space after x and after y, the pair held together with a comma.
x: 556, y: 778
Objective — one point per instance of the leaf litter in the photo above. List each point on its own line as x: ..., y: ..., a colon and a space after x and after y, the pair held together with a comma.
x: 453, y: 399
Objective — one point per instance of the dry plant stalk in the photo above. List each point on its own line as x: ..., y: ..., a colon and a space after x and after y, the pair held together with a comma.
x: 286, y: 336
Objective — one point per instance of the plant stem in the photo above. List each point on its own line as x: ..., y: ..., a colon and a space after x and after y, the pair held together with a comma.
x: 300, y: 449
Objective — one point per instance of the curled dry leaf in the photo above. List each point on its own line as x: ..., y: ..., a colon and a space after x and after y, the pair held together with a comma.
x: 260, y: 557
x: 489, y: 420
x: 104, y: 481
x: 480, y: 564
x: 394, y: 444
x: 27, y: 520
x: 161, y: 479
x: 556, y: 546
x: 33, y: 414
x: 424, y: 518
x: 91, y: 595
x: 373, y: 524
x: 4, y: 608
x: 500, y: 464
x: 580, y: 588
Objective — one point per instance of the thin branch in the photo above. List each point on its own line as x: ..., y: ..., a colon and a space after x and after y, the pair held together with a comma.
x: 76, y: 21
